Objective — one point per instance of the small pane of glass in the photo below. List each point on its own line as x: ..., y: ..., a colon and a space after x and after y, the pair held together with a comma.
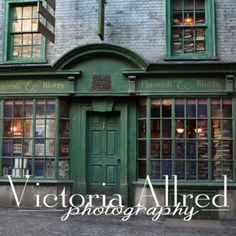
x: 188, y: 5
x: 180, y: 169
x: 16, y: 52
x: 18, y: 109
x: 17, y: 128
x: 216, y: 170
x: 191, y: 170
x: 27, y: 12
x: 8, y: 129
x: 203, y: 150
x: 142, y: 128
x: 191, y: 108
x: 27, y: 39
x: 63, y: 168
x: 155, y: 169
x: 37, y: 38
x: 180, y: 149
x: 200, y: 5
x: 180, y: 128
x: 167, y: 168
x: 27, y: 168
x: 26, y: 51
x: 228, y: 169
x: 155, y: 128
x: 155, y: 108
x: 191, y: 128
x: 26, y: 25
x: 49, y: 168
x: 142, y: 149
x: 17, y: 147
x: 177, y: 5
x: 40, y: 108
x: 39, y: 168
x: 203, y: 170
x: 40, y: 128
x: 64, y: 109
x: 50, y: 147
x: 166, y: 149
x: 28, y: 147
x: 36, y: 51
x: 17, y: 12
x: 39, y: 147
x: 16, y: 25
x: 215, y: 108
x: 64, y: 148
x: 200, y: 18
x: 166, y: 107
x: 155, y: 149
x: 7, y: 147
x: 201, y: 129
x: 142, y: 169
x: 8, y: 108
x: 191, y: 149
x: 227, y: 129
x: 227, y: 108
x: 202, y: 108
x: 227, y: 146
x: 64, y: 128
x: 17, y: 39
x: 216, y: 129
x: 166, y: 128
x: 51, y: 108
x: 28, y: 109
x: 179, y: 108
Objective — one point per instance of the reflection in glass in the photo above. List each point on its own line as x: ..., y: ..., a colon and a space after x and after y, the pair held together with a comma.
x: 179, y: 149
x: 167, y: 168
x: 166, y: 107
x: 155, y: 108
x: 64, y: 148
x: 191, y: 149
x: 155, y: 169
x: 40, y: 108
x: 63, y: 168
x: 180, y: 169
x: 17, y: 12
x: 50, y: 147
x: 155, y: 128
x: 142, y: 149
x: 191, y: 170
x: 166, y: 149
x: 179, y: 108
x: 142, y: 128
x: 142, y: 109
x: 166, y: 128
x: 142, y: 169
x: 49, y: 168
x: 155, y: 149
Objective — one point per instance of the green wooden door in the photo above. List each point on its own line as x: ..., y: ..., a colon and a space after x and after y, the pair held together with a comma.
x: 103, y: 150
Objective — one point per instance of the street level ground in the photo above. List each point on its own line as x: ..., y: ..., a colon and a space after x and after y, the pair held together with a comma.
x: 30, y: 223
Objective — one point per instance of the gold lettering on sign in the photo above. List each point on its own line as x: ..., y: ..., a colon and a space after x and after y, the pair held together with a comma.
x: 155, y: 85
x: 207, y: 84
x: 50, y: 85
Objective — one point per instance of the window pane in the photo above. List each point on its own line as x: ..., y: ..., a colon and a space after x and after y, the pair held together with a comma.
x: 177, y: 5
x: 155, y: 169
x: 39, y: 168
x: 228, y: 169
x: 50, y: 147
x: 142, y: 169
x: 51, y: 108
x: 8, y: 128
x: 27, y: 12
x: 191, y: 128
x: 215, y: 108
x: 8, y: 108
x: 200, y: 18
x: 227, y: 108
x: 17, y: 128
x: 155, y: 149
x: 179, y: 149
x: 188, y: 5
x: 167, y: 168
x: 28, y: 108
x: 27, y: 39
x: 180, y: 128
x: 64, y: 128
x: 155, y: 108
x: 17, y: 147
x: 155, y: 129
x: 191, y: 170
x: 191, y: 108
x: 28, y: 147
x: 40, y: 129
x: 180, y: 169
x: 26, y: 25
x: 202, y: 108
x: 17, y: 39
x: 191, y: 149
x: 37, y: 38
x: 17, y: 12
x: 64, y: 109
x: 64, y: 169
x: 166, y: 149
x: 18, y: 109
x: 142, y: 109
x: 203, y: 170
x: 166, y: 129
x: 203, y: 150
x: 26, y: 51
x: 16, y: 25
x: 142, y: 149
x: 64, y: 148
x: 40, y: 108
x: 179, y: 108
x: 200, y: 5
x: 166, y: 107
x: 7, y: 147
x: 16, y: 52
x: 142, y: 128
x: 227, y: 129
x: 49, y: 168
x: 202, y: 130
x: 36, y: 51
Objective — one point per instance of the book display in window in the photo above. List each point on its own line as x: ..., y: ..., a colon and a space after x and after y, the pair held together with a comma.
x: 188, y: 27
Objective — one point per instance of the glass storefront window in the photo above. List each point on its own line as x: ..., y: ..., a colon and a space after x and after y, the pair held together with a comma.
x: 30, y: 144
x: 191, y: 138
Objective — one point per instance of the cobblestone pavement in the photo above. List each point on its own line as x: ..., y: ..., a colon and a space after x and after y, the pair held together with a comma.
x: 14, y: 222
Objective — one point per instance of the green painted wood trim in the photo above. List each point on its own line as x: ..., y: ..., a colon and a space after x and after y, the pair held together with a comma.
x: 6, y: 58
x: 234, y: 137
x: 210, y: 53
x: 101, y: 16
x: 41, y: 73
x: 93, y: 50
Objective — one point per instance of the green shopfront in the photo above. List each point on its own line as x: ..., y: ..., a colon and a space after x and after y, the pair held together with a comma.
x: 101, y: 119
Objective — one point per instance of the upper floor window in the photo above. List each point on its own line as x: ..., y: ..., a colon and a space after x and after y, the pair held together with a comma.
x: 22, y: 41
x: 190, y: 29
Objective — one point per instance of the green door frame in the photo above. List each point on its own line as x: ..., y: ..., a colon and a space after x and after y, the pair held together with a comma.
x: 78, y: 147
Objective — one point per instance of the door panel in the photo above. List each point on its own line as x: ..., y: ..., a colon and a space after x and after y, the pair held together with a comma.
x: 103, y: 148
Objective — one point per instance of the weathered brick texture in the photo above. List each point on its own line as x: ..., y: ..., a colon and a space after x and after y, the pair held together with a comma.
x: 135, y: 24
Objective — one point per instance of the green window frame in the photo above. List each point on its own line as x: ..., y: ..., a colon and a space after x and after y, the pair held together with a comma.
x: 190, y: 30
x: 22, y: 43
x: 35, y: 138
x: 188, y: 137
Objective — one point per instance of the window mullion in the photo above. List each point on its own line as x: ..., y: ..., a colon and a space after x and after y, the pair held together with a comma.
x: 209, y: 139
x: 173, y: 136
x: 33, y: 140
x: 1, y: 131
x: 234, y: 138
x: 57, y: 143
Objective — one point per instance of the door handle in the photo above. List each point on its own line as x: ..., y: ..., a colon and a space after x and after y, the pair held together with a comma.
x: 117, y: 158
